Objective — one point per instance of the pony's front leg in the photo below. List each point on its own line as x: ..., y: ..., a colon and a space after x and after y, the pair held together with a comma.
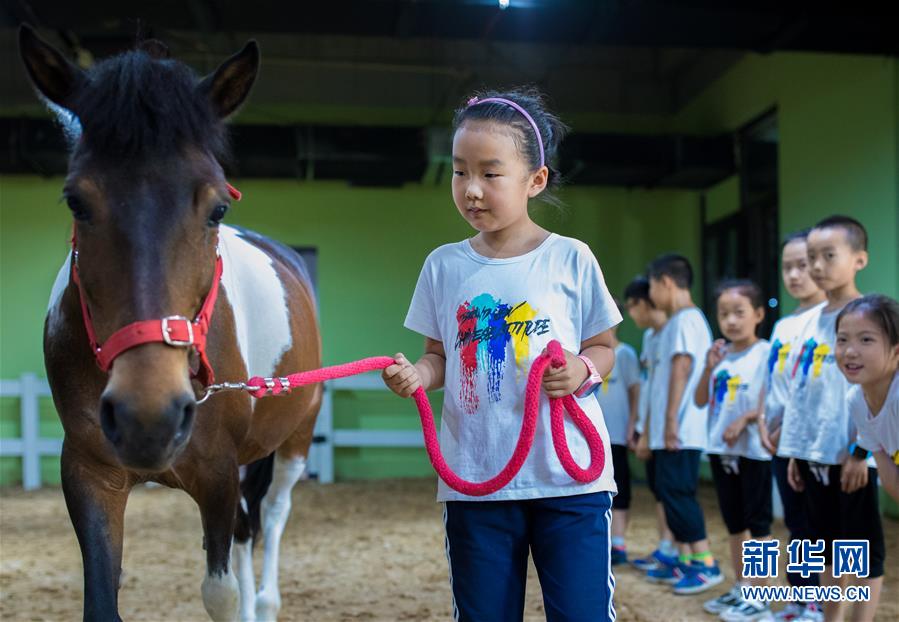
x: 275, y: 512
x: 95, y: 496
x: 218, y: 506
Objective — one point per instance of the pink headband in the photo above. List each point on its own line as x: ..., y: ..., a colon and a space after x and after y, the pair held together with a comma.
x: 524, y: 113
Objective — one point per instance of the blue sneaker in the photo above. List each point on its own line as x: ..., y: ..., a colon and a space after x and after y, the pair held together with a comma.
x: 653, y: 560
x: 619, y: 556
x: 667, y: 573
x: 699, y: 578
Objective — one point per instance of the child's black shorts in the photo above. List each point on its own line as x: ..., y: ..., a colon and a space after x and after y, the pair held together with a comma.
x: 744, y: 494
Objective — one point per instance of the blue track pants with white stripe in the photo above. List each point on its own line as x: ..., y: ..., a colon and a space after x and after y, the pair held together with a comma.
x: 487, y: 546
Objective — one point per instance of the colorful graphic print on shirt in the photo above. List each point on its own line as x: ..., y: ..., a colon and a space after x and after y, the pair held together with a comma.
x: 724, y: 388
x: 811, y: 359
x: 487, y: 326
x: 777, y: 358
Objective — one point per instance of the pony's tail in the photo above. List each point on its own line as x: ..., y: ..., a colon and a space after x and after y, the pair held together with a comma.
x: 252, y: 489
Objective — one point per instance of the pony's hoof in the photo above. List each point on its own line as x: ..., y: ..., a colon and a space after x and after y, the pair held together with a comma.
x: 267, y: 606
x: 221, y: 597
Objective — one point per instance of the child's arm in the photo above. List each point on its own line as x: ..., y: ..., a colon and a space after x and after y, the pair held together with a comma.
x: 633, y: 396
x: 404, y: 378
x: 889, y: 474
x: 566, y: 380
x: 681, y: 366
x: 714, y: 356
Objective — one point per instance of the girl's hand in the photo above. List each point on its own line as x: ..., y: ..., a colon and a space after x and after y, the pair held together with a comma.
x: 767, y: 439
x: 734, y: 430
x: 643, y: 452
x: 794, y: 477
x: 631, y: 435
x: 715, y: 354
x: 402, y: 377
x: 565, y: 380
x: 853, y: 475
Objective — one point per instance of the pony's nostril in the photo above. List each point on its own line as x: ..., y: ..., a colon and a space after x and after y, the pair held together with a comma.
x: 187, y: 420
x: 108, y: 422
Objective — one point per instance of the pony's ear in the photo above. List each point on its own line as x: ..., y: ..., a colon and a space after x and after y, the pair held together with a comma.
x: 52, y: 74
x: 228, y: 86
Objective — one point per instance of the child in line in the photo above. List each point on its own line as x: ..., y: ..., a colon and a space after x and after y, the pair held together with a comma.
x: 618, y: 397
x: 647, y: 317
x: 841, y: 493
x: 676, y: 429
x: 731, y: 384
x: 487, y: 307
x: 868, y: 355
x: 785, y: 347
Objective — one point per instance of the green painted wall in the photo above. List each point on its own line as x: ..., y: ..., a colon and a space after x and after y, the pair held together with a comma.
x: 838, y: 118
x: 722, y: 199
x: 371, y: 244
x: 839, y: 139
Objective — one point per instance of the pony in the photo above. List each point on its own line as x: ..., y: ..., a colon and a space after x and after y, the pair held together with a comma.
x: 156, y: 298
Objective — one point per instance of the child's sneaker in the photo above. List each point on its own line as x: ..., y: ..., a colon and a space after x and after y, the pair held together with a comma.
x: 619, y: 556
x: 747, y: 611
x: 667, y: 573
x: 812, y: 613
x: 699, y: 578
x: 653, y: 560
x: 790, y: 613
x: 725, y: 601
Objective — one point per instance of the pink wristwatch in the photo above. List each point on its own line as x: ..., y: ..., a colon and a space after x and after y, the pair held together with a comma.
x: 593, y: 380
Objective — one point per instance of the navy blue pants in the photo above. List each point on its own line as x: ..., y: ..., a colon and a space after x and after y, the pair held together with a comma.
x: 677, y: 478
x: 795, y: 517
x: 487, y: 546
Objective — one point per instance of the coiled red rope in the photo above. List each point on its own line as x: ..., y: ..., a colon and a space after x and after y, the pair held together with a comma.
x: 261, y: 387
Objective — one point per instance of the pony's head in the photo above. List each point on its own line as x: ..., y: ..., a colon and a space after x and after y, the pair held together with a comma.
x: 146, y: 192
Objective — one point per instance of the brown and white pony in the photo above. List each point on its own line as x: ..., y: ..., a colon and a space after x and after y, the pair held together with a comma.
x: 147, y: 193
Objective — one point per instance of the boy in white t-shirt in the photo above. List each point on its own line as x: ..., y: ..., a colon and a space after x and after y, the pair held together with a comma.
x: 840, y: 488
x: 676, y: 429
x: 618, y: 397
x: 647, y: 317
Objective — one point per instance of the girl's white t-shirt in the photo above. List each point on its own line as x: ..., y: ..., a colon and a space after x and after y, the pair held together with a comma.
x: 613, y: 393
x: 880, y: 433
x: 785, y: 346
x: 734, y: 389
x: 494, y: 318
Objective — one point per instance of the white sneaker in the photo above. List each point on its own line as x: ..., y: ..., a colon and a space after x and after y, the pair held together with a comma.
x: 747, y: 611
x: 724, y: 602
x: 812, y: 613
x: 790, y: 613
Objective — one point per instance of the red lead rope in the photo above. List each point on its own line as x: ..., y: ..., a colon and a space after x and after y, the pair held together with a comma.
x: 261, y: 387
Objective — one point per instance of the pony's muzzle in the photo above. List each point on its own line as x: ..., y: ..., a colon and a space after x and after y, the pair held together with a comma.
x: 145, y: 440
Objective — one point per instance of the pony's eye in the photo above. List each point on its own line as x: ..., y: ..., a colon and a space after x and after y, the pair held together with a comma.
x: 218, y: 212
x: 78, y: 208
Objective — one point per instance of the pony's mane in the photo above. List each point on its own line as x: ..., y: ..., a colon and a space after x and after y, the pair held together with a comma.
x: 136, y: 104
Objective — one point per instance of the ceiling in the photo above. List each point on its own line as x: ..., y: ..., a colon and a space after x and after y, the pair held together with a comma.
x: 408, y: 63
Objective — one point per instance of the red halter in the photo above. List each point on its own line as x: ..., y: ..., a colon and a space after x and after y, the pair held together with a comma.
x: 174, y: 330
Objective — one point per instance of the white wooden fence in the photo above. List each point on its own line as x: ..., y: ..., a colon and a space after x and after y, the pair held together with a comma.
x: 30, y: 447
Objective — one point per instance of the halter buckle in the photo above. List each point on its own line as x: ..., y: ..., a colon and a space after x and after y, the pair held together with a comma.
x: 167, y: 331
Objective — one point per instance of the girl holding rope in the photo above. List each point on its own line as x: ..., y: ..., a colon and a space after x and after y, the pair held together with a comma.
x: 487, y: 307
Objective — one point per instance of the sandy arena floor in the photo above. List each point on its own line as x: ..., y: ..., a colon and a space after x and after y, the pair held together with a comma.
x: 358, y: 551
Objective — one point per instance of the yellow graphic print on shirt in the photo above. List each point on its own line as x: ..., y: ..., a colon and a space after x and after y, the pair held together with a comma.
x: 782, y: 353
x: 820, y: 353
x: 732, y: 385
